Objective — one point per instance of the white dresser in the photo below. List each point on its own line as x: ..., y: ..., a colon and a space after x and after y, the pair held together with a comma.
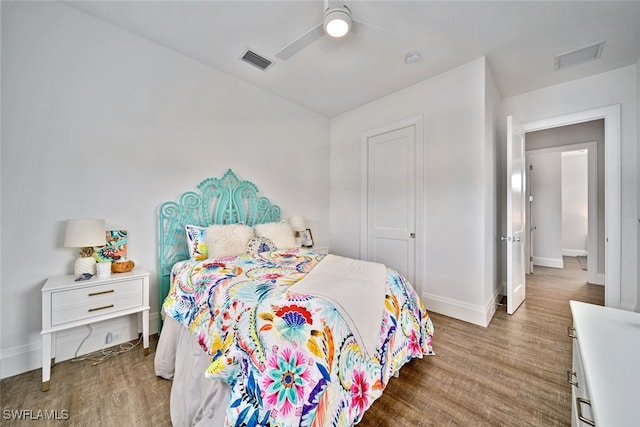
x: 605, y: 376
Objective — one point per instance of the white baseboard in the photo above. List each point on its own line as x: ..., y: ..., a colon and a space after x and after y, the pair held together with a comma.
x: 478, y: 315
x: 24, y: 358
x: 597, y: 280
x: 574, y: 252
x: 548, y: 262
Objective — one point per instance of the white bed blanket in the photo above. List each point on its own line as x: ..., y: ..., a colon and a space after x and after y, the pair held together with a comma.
x: 356, y: 288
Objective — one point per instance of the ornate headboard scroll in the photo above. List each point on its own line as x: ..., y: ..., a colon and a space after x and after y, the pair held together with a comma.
x: 225, y: 200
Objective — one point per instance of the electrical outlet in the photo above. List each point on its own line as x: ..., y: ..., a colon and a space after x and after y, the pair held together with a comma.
x: 109, y: 338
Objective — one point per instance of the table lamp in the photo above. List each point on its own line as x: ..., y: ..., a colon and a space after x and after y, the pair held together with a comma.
x: 85, y: 233
x: 298, y: 224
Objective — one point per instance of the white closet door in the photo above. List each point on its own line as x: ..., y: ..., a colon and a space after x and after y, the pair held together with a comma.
x: 391, y: 200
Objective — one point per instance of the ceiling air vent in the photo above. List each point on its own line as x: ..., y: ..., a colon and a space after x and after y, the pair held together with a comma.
x: 579, y: 56
x: 256, y: 60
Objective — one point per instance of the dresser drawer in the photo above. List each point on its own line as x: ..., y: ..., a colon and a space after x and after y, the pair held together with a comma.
x: 93, y: 301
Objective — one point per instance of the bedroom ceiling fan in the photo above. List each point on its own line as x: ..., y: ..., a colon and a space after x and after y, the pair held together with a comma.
x: 337, y: 23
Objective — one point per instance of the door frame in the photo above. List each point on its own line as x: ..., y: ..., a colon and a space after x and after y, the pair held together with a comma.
x: 612, y: 188
x: 528, y: 247
x: 416, y: 121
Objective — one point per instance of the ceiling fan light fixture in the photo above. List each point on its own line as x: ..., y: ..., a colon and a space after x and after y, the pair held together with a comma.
x: 337, y: 22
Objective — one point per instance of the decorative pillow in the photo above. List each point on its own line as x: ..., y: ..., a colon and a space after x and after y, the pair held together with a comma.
x: 280, y: 233
x: 260, y: 244
x: 227, y: 240
x: 195, y: 242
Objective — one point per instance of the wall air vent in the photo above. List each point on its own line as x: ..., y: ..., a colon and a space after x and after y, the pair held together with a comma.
x: 579, y: 56
x: 256, y: 60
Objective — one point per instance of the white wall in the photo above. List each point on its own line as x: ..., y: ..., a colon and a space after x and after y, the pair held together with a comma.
x: 546, y: 209
x: 614, y: 87
x: 493, y: 188
x: 638, y: 183
x: 459, y: 194
x: 100, y: 123
x: 575, y: 180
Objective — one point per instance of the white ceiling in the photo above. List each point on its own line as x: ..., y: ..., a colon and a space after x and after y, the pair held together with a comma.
x: 332, y: 76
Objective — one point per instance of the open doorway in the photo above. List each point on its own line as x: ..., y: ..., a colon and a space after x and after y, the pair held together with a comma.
x: 565, y: 212
x: 575, y: 205
x: 612, y: 193
x: 612, y: 187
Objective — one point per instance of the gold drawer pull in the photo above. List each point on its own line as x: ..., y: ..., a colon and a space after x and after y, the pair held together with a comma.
x: 571, y: 331
x: 93, y: 294
x: 570, y: 376
x: 581, y: 417
x: 101, y: 308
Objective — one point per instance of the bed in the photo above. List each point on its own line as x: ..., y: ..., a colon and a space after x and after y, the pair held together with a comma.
x: 256, y: 331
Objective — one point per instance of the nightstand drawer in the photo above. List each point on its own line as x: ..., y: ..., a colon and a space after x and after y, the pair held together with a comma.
x: 93, y: 301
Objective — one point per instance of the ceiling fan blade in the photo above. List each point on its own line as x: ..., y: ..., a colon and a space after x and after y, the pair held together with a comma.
x: 359, y: 27
x: 378, y: 36
x: 301, y: 42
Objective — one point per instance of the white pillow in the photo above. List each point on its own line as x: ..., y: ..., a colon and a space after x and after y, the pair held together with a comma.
x: 227, y: 240
x: 280, y: 233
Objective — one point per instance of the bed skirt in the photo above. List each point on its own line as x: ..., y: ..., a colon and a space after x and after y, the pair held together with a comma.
x: 195, y: 400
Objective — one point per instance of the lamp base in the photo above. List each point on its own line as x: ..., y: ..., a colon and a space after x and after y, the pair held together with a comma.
x: 84, y: 265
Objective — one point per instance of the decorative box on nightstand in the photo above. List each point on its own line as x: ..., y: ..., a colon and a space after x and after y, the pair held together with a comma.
x: 67, y: 304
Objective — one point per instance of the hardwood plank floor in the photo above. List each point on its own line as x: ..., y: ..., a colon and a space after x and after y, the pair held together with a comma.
x: 121, y: 391
x: 512, y: 373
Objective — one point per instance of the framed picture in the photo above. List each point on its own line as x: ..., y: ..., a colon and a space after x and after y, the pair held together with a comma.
x: 306, y: 238
x: 115, y: 249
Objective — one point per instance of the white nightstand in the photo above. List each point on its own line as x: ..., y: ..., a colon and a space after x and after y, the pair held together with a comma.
x: 320, y: 249
x: 67, y: 304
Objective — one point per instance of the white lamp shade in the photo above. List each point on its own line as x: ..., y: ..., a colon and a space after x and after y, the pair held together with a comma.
x: 298, y: 223
x: 81, y: 233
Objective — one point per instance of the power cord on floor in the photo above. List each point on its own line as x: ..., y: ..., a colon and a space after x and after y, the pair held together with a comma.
x: 103, y: 354
x: 75, y: 355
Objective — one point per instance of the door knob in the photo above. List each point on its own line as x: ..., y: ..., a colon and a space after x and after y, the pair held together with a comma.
x: 517, y: 239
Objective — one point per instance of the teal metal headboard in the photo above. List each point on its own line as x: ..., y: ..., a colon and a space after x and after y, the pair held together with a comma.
x: 225, y: 200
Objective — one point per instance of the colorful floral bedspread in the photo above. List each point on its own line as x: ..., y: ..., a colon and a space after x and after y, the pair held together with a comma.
x: 290, y: 359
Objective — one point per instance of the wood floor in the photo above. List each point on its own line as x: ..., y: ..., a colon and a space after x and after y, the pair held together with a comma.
x: 512, y: 373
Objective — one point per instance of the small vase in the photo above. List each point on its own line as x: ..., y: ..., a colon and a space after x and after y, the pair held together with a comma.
x: 84, y: 265
x: 103, y: 269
